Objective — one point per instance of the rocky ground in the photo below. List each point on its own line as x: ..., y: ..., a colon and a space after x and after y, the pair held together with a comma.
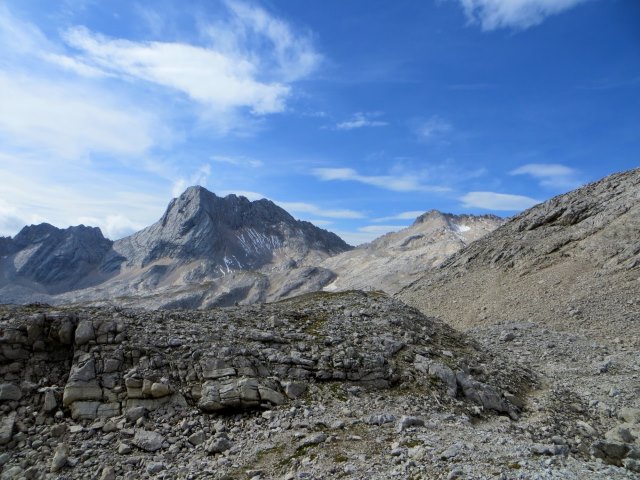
x: 348, y: 385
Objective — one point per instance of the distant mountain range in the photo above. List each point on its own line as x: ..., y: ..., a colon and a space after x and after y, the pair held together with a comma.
x: 211, y: 251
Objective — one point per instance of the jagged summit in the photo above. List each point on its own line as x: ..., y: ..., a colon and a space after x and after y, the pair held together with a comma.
x: 230, y: 232
x: 452, y: 218
x: 198, y: 203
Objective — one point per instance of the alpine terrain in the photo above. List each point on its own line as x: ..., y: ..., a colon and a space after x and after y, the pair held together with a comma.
x: 543, y: 381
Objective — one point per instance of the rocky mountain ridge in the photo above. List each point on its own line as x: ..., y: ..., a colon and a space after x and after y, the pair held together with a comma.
x: 205, y: 250
x: 572, y: 261
x: 394, y: 260
x: 211, y: 251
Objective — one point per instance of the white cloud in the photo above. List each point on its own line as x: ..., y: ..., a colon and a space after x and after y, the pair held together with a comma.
x: 113, y: 226
x: 518, y: 14
x: 412, y: 215
x: 303, y: 207
x: 252, y: 59
x: 497, y: 201
x: 199, y: 177
x: 433, y: 129
x: 398, y: 183
x: 550, y: 175
x: 68, y: 121
x: 75, y: 193
x: 237, y: 161
x: 360, y: 120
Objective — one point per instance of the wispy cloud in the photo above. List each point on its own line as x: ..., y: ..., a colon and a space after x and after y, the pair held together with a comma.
x: 517, y: 14
x: 551, y: 175
x: 433, y: 129
x: 412, y: 215
x: 70, y: 120
x: 237, y: 161
x: 397, y: 183
x: 249, y: 63
x: 497, y: 201
x: 199, y: 177
x: 309, y: 208
x: 361, y: 120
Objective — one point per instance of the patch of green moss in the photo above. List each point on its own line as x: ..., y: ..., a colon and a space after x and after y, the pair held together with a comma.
x: 340, y: 458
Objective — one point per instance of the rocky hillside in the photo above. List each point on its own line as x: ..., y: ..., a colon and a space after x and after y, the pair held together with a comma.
x: 204, y: 251
x: 192, y: 394
x: 572, y: 262
x: 397, y: 259
x: 352, y: 385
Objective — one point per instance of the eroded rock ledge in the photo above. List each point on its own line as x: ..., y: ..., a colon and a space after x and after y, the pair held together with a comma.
x: 88, y: 364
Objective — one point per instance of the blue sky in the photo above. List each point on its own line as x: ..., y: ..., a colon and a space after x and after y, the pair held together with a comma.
x: 354, y: 115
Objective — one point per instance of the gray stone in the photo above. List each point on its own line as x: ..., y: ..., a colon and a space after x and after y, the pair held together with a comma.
x: 610, y: 451
x: 409, y: 421
x: 11, y: 473
x: 60, y: 458
x: 294, y: 389
x: 10, y: 392
x: 84, y: 332
x: 631, y: 464
x: 159, y: 390
x: 506, y: 336
x: 84, y: 410
x: 481, y: 393
x: 108, y: 473
x: 380, y: 419
x: 452, y: 452
x: 135, y: 413
x: 74, y: 392
x: 155, y: 467
x: 50, y: 402
x: 445, y: 374
x: 630, y: 415
x: 148, y: 441
x: 7, y: 422
x: 313, y: 439
x: 197, y: 438
x: 124, y: 449
x: 218, y: 445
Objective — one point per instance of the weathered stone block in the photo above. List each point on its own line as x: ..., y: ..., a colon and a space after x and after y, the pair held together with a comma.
x: 81, y: 392
x: 10, y: 392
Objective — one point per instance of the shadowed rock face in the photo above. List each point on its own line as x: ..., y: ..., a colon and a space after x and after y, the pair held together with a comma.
x: 572, y: 259
x: 56, y: 259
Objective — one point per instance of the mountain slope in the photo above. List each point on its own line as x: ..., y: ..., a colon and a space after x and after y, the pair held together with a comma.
x: 572, y: 262
x: 51, y: 260
x: 396, y: 259
x: 204, y: 251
